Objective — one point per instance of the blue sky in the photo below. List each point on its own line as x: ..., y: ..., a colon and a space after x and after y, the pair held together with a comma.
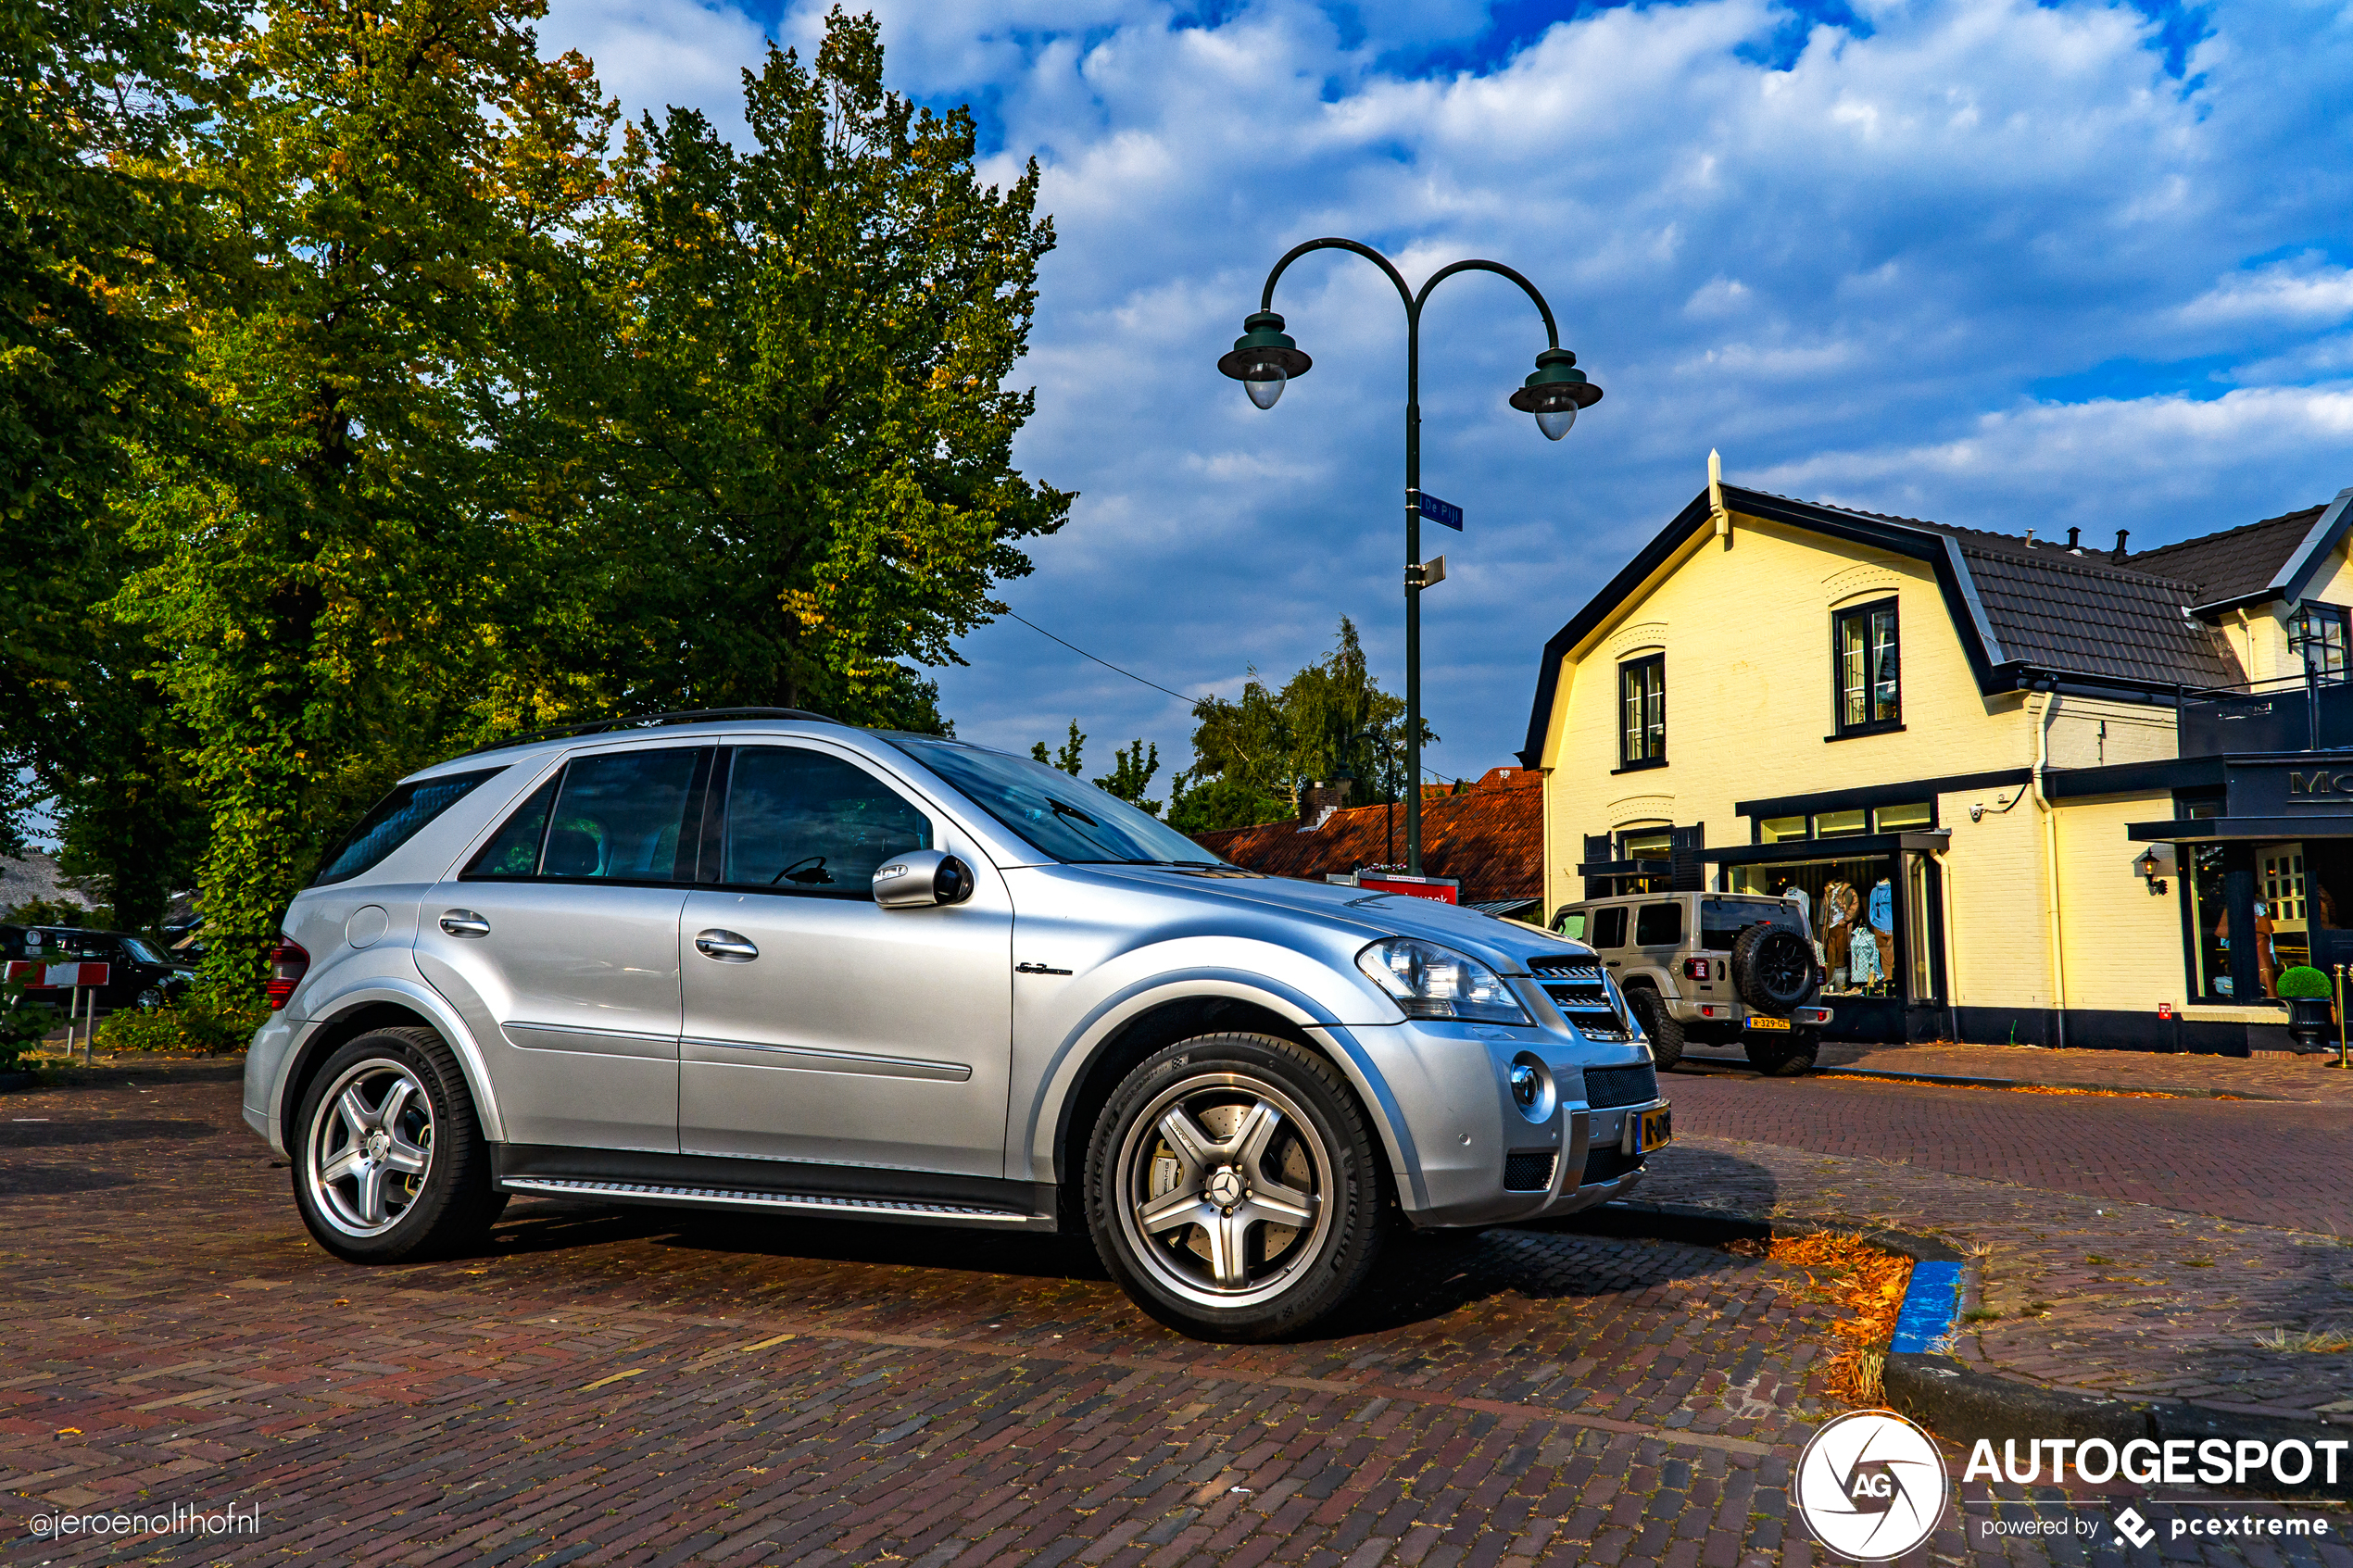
x: 1995, y: 263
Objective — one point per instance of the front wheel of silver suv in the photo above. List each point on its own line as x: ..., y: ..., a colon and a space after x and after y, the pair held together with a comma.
x: 1234, y: 1188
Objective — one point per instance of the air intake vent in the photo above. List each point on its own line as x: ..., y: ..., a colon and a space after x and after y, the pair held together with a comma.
x: 1605, y: 1164
x: 1530, y: 1170
x: 1606, y: 1086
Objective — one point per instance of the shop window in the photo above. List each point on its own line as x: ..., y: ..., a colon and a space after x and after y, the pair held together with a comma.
x: 1851, y: 907
x: 1838, y: 824
x: 1779, y: 830
x: 1641, y: 730
x: 2318, y: 632
x: 1659, y: 925
x: 1902, y: 819
x: 1863, y: 643
x: 1609, y: 926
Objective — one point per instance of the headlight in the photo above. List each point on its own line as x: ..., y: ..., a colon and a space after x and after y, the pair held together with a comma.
x: 1428, y: 981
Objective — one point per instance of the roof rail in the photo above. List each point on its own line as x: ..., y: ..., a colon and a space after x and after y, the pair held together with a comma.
x: 691, y: 716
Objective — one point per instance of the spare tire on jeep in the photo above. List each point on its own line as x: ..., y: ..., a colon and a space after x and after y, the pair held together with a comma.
x: 1773, y: 970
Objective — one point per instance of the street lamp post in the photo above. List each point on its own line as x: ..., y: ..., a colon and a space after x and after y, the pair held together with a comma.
x: 1265, y: 360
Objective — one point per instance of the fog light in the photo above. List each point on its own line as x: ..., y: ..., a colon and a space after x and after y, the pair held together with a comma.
x: 1526, y: 1085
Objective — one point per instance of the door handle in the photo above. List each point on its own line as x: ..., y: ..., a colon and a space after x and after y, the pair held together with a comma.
x: 724, y: 945
x: 464, y: 922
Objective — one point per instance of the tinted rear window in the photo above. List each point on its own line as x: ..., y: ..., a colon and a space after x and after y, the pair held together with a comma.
x: 1721, y: 920
x: 399, y: 818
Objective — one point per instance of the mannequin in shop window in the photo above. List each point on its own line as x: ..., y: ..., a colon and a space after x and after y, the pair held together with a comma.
x: 1882, y: 921
x: 2266, y: 959
x: 1839, y: 904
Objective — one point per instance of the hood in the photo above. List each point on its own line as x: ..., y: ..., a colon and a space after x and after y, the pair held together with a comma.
x: 1501, y: 943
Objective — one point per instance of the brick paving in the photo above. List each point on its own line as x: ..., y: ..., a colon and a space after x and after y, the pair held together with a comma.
x: 630, y: 1388
x: 2267, y: 1162
x: 2269, y: 1073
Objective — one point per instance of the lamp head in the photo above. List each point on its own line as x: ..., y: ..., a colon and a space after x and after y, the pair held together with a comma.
x: 1265, y: 358
x: 1555, y: 392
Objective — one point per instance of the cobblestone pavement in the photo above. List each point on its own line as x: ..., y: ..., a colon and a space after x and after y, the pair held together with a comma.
x: 2264, y: 1161
x: 630, y: 1388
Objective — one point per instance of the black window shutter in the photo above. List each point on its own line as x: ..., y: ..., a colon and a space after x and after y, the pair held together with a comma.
x: 1683, y: 848
x: 1596, y: 850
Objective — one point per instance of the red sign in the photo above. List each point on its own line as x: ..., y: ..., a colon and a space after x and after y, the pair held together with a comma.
x: 40, y: 976
x: 1445, y: 889
x: 2165, y: 1009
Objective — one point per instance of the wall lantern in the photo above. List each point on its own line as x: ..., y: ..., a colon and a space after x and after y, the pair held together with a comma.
x: 2148, y: 865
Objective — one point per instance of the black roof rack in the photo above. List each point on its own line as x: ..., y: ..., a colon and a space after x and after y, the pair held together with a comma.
x: 693, y: 716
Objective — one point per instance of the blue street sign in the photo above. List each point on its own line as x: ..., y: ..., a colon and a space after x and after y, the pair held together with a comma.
x: 1444, y: 513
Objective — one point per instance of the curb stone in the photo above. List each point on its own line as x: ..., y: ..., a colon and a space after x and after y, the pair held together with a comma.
x: 1963, y: 1404
x: 19, y: 1081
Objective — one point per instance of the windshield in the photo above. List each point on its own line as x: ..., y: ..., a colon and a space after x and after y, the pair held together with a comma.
x: 1070, y: 821
x: 141, y: 951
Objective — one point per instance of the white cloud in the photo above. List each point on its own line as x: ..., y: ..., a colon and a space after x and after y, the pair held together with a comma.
x: 1860, y: 275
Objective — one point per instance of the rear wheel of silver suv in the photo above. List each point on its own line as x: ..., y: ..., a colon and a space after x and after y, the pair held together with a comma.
x: 1234, y: 1188
x: 388, y: 1161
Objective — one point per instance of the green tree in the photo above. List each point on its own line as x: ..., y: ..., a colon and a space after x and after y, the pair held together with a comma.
x: 1250, y: 755
x: 95, y: 218
x: 1070, y: 757
x: 389, y: 191
x: 805, y: 432
x: 1131, y: 774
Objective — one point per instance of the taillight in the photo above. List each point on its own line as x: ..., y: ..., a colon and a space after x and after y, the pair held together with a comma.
x: 1695, y: 968
x: 288, y: 964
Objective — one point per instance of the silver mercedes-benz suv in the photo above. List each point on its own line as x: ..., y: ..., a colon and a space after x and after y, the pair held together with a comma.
x: 760, y: 961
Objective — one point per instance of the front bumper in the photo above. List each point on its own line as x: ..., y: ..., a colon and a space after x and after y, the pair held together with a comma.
x: 1446, y: 1091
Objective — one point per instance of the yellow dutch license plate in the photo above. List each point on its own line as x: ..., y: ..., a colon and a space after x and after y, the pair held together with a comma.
x: 1761, y: 1023
x: 1655, y: 1130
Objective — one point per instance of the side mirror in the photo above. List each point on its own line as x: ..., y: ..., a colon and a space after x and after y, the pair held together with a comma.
x: 922, y: 878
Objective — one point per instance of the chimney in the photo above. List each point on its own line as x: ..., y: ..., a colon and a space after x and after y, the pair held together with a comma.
x: 1320, y: 800
x: 2075, y: 540
x: 2118, y: 559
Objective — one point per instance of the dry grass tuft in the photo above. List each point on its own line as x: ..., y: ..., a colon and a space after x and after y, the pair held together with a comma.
x: 2324, y: 1341
x: 1866, y: 1284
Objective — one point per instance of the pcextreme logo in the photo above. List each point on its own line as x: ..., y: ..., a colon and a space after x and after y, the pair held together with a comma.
x: 1872, y: 1486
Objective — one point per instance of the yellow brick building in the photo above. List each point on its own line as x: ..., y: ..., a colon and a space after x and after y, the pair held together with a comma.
x: 2027, y: 788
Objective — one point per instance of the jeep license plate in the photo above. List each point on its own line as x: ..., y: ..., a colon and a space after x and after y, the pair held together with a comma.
x: 1762, y: 1022
x: 1655, y: 1129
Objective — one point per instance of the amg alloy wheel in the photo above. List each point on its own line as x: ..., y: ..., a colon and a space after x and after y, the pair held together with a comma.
x: 388, y: 1163
x: 1234, y: 1187
x: 371, y: 1146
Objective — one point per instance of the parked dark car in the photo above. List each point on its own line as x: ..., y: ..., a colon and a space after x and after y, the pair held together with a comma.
x: 140, y: 973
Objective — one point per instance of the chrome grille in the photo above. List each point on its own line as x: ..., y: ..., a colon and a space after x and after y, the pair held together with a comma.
x: 1574, y: 982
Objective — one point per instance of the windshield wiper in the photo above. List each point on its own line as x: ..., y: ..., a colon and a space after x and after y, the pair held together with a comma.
x: 1071, y: 811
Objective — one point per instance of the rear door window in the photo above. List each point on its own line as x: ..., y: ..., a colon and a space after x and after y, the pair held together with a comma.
x: 1609, y: 926
x: 399, y: 818
x: 1659, y: 925
x: 621, y: 817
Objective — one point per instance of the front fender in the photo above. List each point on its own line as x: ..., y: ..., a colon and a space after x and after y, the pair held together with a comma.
x: 1040, y: 1124
x: 265, y: 1098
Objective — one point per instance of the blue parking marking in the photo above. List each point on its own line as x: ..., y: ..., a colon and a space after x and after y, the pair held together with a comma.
x: 1925, y: 1325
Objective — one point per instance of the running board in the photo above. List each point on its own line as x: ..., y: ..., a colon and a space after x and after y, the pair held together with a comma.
x: 741, y: 1197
